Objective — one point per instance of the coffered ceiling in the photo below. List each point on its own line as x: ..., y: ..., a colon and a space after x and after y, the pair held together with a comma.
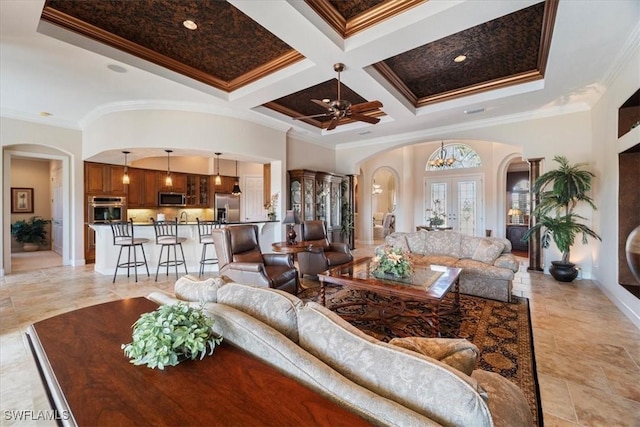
x: 427, y: 62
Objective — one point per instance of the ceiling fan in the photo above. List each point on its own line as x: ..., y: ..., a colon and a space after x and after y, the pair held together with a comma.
x: 341, y: 108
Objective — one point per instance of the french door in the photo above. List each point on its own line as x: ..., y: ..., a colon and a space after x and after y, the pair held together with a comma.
x: 457, y: 200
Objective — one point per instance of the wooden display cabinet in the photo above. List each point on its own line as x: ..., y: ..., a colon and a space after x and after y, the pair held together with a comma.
x: 198, y: 191
x: 316, y: 196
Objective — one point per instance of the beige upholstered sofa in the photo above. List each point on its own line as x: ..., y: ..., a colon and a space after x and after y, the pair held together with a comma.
x: 384, y: 383
x: 487, y: 264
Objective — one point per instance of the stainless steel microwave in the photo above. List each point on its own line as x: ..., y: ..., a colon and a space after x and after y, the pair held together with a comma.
x: 172, y: 199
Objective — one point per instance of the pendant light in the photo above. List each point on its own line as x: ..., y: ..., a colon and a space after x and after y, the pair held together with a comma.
x: 218, y: 180
x: 125, y: 177
x: 236, y: 187
x: 168, y: 181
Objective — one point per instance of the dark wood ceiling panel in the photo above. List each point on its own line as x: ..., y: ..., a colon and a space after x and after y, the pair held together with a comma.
x: 507, y: 50
x: 348, y: 17
x: 299, y: 103
x: 228, y: 50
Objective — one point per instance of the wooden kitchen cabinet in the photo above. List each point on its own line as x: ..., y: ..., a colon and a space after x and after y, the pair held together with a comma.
x: 94, y: 178
x: 179, y: 182
x: 116, y: 187
x: 103, y: 179
x: 135, y: 188
x: 150, y: 188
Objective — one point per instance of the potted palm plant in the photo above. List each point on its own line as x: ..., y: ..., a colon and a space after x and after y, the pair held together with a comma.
x: 559, y: 192
x: 31, y: 233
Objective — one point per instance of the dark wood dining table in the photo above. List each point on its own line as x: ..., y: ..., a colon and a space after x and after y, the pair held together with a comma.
x: 91, y: 383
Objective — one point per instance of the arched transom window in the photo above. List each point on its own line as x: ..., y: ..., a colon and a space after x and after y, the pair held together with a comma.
x: 453, y: 156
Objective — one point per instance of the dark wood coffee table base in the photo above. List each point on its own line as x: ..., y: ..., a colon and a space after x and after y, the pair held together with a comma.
x: 91, y: 382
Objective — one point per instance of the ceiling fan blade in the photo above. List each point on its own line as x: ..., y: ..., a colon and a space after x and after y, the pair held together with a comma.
x: 366, y: 106
x: 322, y: 104
x: 310, y: 117
x: 363, y: 118
x: 333, y: 123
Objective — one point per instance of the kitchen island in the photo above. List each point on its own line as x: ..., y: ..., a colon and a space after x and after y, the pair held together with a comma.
x: 107, y: 253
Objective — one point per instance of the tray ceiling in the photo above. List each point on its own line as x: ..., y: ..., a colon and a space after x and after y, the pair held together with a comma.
x: 229, y: 50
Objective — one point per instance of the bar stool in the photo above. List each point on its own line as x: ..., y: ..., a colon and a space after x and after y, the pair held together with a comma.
x: 206, y: 239
x: 167, y: 237
x: 123, y: 237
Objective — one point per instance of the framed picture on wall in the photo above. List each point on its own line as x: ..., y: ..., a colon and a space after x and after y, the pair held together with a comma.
x: 21, y: 200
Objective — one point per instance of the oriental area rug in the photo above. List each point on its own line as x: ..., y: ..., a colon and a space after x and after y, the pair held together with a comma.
x: 501, y: 331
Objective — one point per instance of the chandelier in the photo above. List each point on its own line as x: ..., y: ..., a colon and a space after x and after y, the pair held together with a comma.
x: 442, y: 161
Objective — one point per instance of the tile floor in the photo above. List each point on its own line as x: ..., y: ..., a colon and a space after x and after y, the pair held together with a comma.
x: 587, y: 351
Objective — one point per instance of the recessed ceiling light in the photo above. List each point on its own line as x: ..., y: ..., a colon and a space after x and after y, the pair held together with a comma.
x: 326, y: 100
x: 460, y: 58
x: 116, y: 68
x: 189, y: 24
x: 45, y: 114
x: 477, y: 110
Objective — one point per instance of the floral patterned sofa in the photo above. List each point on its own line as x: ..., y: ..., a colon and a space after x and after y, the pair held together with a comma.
x: 488, y: 267
x: 410, y: 381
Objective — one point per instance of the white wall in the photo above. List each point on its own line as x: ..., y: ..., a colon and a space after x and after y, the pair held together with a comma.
x: 160, y: 129
x: 26, y: 139
x: 605, y: 156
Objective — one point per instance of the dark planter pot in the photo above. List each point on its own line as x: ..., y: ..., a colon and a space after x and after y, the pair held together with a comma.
x: 563, y: 272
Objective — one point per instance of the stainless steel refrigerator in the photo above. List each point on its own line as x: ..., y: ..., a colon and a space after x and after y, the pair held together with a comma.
x: 227, y: 207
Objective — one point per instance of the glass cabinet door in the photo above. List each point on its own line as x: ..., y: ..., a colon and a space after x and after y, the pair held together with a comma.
x: 296, y: 196
x: 309, y: 199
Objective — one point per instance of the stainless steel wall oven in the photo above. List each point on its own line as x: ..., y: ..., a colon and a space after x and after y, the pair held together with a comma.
x: 105, y: 208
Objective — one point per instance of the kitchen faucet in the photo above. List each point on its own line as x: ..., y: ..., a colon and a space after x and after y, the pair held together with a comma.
x: 186, y: 218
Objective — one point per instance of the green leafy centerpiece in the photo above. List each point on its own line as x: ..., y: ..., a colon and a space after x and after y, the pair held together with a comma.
x: 391, y: 263
x: 170, y: 334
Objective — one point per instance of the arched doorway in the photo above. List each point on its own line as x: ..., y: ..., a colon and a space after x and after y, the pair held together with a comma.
x: 52, y: 201
x: 384, y: 202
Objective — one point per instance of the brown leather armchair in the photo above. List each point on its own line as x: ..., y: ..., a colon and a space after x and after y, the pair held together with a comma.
x: 321, y: 255
x: 241, y: 260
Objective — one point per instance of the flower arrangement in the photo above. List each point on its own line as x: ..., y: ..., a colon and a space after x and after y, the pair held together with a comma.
x: 391, y: 261
x: 435, y: 215
x: 170, y: 334
x: 272, y: 206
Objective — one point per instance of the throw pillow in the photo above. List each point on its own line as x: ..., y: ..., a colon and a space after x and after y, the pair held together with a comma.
x: 397, y: 241
x: 457, y: 353
x: 487, y: 251
x: 190, y: 288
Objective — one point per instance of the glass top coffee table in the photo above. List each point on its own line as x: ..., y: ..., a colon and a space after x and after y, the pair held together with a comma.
x: 420, y: 297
